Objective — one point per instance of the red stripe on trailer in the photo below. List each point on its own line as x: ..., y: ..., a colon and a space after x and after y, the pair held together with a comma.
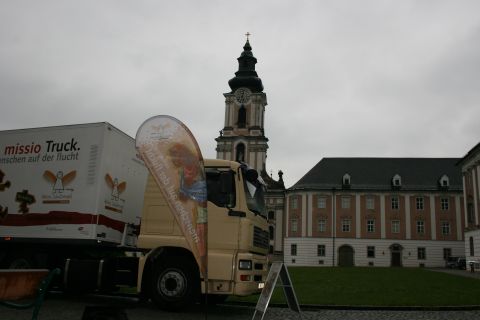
x: 60, y: 217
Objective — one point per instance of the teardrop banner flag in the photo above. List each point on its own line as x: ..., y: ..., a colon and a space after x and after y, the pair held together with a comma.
x: 173, y: 157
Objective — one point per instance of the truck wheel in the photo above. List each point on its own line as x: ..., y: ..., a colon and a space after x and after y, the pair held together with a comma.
x: 175, y: 283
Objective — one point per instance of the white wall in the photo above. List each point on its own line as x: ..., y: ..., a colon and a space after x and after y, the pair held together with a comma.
x: 307, y: 251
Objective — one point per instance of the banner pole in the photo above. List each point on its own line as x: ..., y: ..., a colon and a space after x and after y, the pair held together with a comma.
x: 206, y: 294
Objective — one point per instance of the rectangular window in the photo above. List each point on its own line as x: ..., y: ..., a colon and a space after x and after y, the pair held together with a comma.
x: 321, y: 202
x: 321, y: 250
x: 445, y: 228
x: 321, y: 225
x: 293, y: 249
x: 346, y: 223
x: 345, y: 202
x: 444, y: 204
x: 421, y: 253
x: 271, y: 215
x: 470, y: 213
x: 420, y: 226
x: 294, y: 203
x: 370, y: 226
x: 370, y: 252
x: 294, y: 225
x: 419, y: 202
x: 471, y: 246
x: 447, y: 253
x: 395, y: 226
x: 395, y: 204
x: 370, y: 203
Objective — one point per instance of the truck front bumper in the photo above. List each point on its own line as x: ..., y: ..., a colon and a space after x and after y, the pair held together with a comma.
x: 250, y: 280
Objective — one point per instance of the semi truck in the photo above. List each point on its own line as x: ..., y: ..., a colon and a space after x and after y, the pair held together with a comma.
x: 79, y: 198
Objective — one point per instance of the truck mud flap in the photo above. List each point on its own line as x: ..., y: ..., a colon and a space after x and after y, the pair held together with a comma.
x: 126, y: 271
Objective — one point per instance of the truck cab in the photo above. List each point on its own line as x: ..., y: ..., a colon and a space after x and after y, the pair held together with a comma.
x: 238, y: 240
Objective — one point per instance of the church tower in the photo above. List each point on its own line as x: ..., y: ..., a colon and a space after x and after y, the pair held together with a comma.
x: 243, y: 137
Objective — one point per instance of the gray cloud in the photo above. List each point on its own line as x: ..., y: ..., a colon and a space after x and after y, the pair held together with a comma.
x: 343, y: 78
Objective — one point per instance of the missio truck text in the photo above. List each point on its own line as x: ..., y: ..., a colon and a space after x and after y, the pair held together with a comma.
x: 54, y: 151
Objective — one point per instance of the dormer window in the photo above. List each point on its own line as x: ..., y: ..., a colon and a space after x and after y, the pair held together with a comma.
x: 346, y: 180
x: 444, y: 181
x: 397, y: 181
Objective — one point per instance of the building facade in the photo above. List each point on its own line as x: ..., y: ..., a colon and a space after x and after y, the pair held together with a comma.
x: 243, y: 137
x: 470, y: 165
x: 356, y: 211
x: 376, y: 212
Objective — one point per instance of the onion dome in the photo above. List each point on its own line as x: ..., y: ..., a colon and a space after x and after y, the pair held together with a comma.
x: 246, y: 76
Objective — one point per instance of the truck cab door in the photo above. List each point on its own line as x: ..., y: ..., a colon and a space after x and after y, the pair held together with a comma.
x: 223, y: 227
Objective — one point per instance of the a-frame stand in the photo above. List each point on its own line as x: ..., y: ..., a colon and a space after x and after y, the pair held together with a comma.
x: 277, y: 269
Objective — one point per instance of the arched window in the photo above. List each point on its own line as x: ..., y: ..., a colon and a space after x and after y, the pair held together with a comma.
x: 240, y: 152
x: 272, y: 232
x: 242, y: 117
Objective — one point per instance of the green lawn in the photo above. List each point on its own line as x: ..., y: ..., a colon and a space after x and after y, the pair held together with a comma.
x: 378, y: 287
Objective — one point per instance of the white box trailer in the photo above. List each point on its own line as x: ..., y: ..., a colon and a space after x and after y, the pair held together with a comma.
x: 75, y: 183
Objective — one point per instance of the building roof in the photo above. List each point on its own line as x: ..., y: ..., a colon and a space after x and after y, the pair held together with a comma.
x: 271, y: 183
x: 378, y: 173
x: 471, y: 154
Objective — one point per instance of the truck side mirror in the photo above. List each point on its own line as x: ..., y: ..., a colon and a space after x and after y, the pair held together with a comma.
x: 251, y: 175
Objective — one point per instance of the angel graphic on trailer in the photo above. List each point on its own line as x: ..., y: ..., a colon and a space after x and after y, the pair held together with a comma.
x: 60, y: 180
x: 3, y: 187
x: 117, y: 188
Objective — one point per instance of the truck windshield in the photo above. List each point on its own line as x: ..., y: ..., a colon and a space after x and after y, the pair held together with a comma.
x: 254, y: 191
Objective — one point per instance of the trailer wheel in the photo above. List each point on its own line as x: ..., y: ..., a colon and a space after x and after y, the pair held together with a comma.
x: 20, y: 261
x: 175, y: 283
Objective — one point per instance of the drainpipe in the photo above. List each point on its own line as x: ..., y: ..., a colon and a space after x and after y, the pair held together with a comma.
x: 334, y: 225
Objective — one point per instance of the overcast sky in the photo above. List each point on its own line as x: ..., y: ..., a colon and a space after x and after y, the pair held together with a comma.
x: 342, y: 78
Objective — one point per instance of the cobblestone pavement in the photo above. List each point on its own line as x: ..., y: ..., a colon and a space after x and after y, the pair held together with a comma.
x: 457, y: 272
x: 58, y: 307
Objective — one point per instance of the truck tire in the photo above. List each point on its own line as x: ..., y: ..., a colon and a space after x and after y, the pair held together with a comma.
x: 175, y: 283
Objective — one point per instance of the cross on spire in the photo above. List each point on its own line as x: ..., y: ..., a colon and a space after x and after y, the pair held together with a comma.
x: 248, y: 34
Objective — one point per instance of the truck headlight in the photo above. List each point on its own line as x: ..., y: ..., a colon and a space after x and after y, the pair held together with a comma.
x: 245, y: 265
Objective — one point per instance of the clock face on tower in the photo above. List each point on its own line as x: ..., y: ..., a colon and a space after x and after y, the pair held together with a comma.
x: 242, y: 95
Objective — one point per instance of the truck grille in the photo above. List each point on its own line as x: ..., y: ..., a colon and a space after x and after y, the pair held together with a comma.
x: 260, y: 238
